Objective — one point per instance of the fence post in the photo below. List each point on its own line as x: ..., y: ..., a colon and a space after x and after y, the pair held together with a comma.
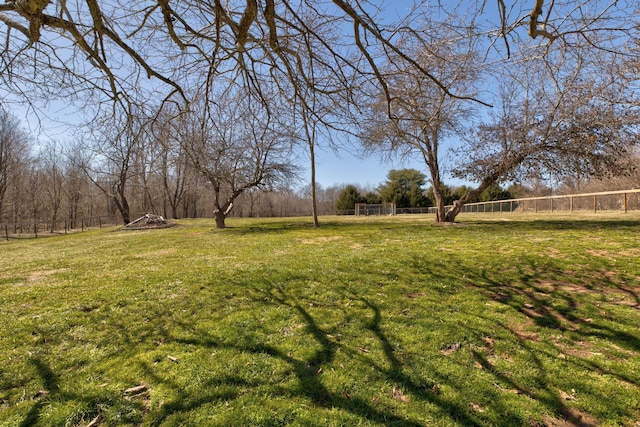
x: 595, y: 203
x: 551, y: 204
x: 624, y: 202
x: 536, y: 206
x: 570, y: 203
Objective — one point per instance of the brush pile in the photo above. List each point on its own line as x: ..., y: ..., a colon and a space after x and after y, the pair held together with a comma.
x: 148, y: 221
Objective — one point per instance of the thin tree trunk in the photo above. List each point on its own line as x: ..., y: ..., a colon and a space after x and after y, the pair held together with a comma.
x: 314, y: 201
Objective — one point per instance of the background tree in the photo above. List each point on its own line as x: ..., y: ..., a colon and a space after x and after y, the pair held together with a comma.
x: 111, y: 167
x: 237, y: 145
x: 576, y: 122
x: 174, y: 170
x: 347, y: 199
x: 372, y: 198
x: 14, y: 154
x: 51, y: 160
x: 404, y: 187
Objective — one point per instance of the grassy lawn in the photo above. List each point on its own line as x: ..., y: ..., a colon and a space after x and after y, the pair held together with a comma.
x: 498, y: 321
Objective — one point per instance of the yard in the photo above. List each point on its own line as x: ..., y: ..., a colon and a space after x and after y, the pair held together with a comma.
x: 372, y: 321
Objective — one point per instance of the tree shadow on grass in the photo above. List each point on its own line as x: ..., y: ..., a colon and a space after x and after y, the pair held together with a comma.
x: 50, y: 385
x: 550, y: 298
x: 52, y: 391
x: 308, y: 370
x: 545, y: 303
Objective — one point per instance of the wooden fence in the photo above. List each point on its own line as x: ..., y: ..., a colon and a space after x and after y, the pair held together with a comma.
x: 61, y: 226
x: 622, y: 200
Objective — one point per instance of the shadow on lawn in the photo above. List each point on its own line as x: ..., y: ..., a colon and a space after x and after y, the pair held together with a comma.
x: 549, y: 297
x: 91, y: 405
x: 308, y: 370
x: 548, y: 304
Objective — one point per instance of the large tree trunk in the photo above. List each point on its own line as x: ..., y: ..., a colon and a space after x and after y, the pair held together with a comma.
x: 220, y: 217
x: 436, y: 185
x: 221, y: 212
x: 453, y: 212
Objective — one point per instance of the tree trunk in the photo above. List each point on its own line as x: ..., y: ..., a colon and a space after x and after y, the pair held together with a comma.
x: 314, y: 201
x: 123, y: 208
x: 220, y: 217
x: 454, y: 211
x: 436, y: 185
x: 458, y: 204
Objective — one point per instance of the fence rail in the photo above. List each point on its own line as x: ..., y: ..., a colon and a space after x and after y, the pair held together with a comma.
x: 61, y: 226
x: 621, y: 200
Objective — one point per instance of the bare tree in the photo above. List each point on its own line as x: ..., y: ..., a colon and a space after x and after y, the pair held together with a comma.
x: 76, y: 186
x: 575, y: 124
x: 111, y: 165
x: 237, y: 146
x: 173, y: 163
x: 421, y: 116
x: 14, y: 152
x: 51, y: 162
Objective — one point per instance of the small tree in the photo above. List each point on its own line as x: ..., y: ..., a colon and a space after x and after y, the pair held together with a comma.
x: 347, y: 199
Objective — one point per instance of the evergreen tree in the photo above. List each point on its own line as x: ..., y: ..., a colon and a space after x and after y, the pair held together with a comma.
x: 347, y: 199
x: 404, y: 188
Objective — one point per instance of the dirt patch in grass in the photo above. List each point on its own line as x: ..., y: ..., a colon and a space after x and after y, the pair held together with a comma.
x: 573, y: 418
x: 319, y: 240
x: 38, y: 276
x: 524, y: 333
x: 556, y: 285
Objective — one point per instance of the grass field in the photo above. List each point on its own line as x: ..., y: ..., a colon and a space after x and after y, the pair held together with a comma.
x: 390, y: 321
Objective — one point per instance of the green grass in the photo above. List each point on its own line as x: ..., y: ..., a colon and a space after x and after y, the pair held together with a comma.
x: 523, y: 320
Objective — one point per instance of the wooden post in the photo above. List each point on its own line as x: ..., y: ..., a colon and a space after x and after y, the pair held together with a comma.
x: 624, y: 202
x: 536, y: 207
x: 571, y: 204
x: 551, y: 204
x: 595, y: 204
